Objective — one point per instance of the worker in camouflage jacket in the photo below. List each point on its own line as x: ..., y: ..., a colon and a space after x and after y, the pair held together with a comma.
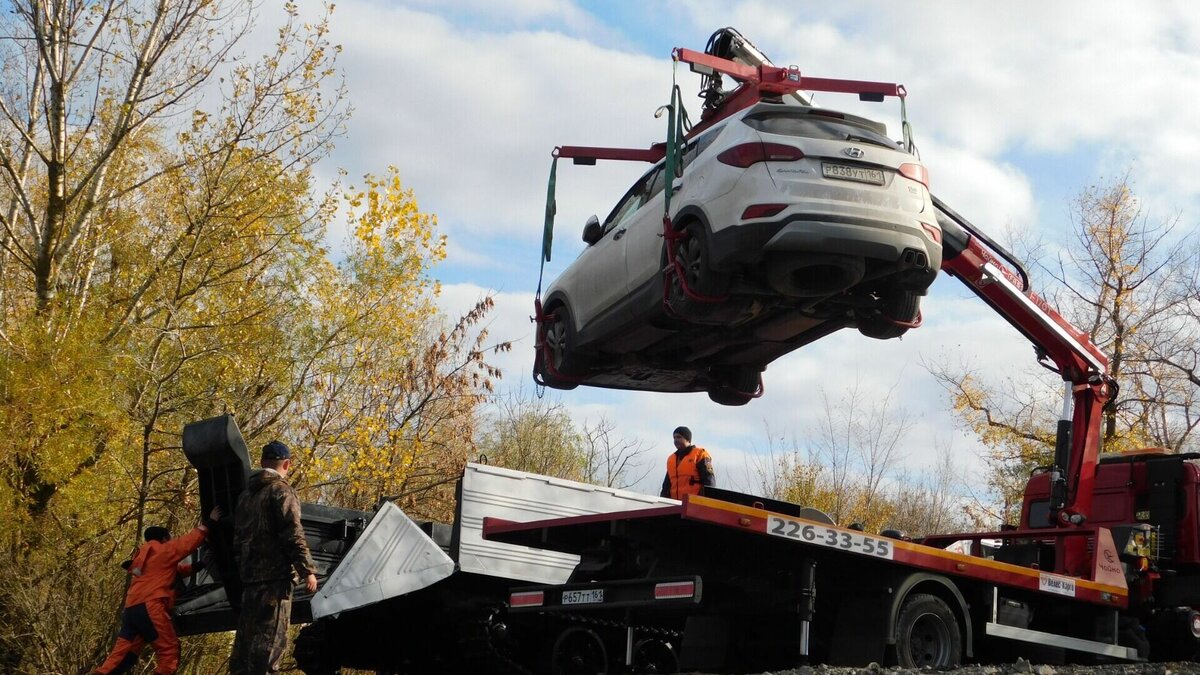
x: 272, y: 557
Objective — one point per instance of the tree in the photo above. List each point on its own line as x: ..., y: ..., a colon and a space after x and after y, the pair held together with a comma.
x: 845, y: 467
x: 162, y: 261
x: 612, y: 460
x: 1119, y: 281
x: 536, y: 434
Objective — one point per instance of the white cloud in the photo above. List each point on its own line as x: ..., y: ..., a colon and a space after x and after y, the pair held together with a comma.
x: 471, y: 116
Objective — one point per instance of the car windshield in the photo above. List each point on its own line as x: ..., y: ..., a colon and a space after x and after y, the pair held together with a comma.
x: 817, y: 125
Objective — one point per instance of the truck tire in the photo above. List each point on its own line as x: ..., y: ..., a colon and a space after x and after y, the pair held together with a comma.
x: 312, y: 651
x: 927, y: 634
x: 578, y: 651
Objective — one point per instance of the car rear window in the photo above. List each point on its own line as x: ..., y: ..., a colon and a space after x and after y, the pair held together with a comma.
x: 818, y: 125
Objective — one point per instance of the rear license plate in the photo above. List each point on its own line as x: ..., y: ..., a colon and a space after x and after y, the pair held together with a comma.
x: 592, y: 595
x: 854, y: 173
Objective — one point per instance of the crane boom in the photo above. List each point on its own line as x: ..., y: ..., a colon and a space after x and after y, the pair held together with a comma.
x: 971, y: 257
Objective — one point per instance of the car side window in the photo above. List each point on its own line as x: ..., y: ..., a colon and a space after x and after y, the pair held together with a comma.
x: 656, y: 184
x: 631, y: 202
x: 698, y: 146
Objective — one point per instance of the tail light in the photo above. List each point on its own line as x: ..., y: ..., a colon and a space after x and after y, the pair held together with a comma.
x: 674, y: 589
x: 934, y: 232
x: 762, y: 210
x: 526, y: 599
x: 751, y: 153
x: 916, y: 172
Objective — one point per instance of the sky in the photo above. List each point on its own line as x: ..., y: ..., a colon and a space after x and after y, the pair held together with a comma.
x: 1015, y: 106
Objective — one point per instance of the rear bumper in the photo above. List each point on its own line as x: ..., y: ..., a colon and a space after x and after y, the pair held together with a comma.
x: 821, y: 233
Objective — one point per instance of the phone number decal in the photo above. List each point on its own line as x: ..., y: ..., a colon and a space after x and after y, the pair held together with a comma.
x: 829, y: 537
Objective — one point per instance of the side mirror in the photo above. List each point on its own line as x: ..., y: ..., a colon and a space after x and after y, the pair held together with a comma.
x: 592, y: 232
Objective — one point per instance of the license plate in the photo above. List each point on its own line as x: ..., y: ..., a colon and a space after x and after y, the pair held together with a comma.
x: 854, y: 173
x: 829, y: 537
x: 590, y: 596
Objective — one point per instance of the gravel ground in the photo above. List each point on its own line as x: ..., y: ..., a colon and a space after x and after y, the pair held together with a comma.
x: 1021, y: 666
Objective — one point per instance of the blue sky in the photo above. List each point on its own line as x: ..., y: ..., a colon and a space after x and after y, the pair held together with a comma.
x: 1016, y: 107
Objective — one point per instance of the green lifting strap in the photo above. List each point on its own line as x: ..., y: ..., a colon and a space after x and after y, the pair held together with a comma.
x: 674, y: 136
x: 551, y: 207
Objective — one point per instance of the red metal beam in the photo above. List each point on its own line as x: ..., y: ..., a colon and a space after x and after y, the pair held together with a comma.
x: 583, y: 154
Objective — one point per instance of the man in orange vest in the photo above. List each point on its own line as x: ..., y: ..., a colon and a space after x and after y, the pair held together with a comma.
x: 151, y: 596
x: 688, y: 468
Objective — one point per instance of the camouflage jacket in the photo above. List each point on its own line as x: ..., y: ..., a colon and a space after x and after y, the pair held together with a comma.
x: 268, y: 537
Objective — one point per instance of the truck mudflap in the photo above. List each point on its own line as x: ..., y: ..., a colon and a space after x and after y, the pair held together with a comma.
x: 392, y: 557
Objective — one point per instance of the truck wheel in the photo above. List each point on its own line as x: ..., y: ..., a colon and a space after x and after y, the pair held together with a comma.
x: 927, y: 634
x: 312, y: 650
x: 654, y: 657
x: 579, y: 651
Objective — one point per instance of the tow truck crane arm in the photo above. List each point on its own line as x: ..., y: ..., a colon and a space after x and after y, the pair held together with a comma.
x: 969, y: 256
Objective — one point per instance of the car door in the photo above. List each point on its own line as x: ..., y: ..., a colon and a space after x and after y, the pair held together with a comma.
x: 601, y: 279
x: 643, y: 237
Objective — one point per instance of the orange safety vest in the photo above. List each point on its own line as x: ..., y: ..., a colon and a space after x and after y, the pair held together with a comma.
x: 156, y: 565
x: 683, y: 472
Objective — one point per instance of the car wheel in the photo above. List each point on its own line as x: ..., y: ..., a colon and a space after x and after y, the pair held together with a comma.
x: 694, y: 261
x: 727, y: 396
x: 735, y: 385
x: 927, y: 634
x: 895, y: 305
x: 557, y: 361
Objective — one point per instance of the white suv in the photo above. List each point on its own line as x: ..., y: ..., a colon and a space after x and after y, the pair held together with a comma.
x: 793, y: 222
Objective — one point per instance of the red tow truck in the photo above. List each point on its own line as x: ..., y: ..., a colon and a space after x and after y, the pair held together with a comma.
x: 1104, y: 565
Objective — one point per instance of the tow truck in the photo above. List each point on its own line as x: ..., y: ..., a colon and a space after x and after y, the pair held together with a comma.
x: 740, y: 583
x: 538, y: 575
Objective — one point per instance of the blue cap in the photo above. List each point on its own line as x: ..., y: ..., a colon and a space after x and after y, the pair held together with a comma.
x: 276, y: 450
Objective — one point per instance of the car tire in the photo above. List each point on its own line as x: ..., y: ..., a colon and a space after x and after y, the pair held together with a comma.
x: 559, y: 346
x: 692, y: 254
x: 927, y: 634
x: 895, y: 305
x: 730, y: 397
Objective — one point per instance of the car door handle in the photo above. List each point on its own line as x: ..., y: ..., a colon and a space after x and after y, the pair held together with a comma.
x: 618, y: 234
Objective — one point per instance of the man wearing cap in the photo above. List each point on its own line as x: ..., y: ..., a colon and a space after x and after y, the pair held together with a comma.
x: 272, y: 555
x: 688, y: 468
x: 151, y: 595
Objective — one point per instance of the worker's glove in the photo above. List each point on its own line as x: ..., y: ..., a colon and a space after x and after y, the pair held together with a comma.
x: 212, y: 518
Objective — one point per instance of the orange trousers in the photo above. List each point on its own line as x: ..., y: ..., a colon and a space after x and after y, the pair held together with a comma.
x: 146, y: 622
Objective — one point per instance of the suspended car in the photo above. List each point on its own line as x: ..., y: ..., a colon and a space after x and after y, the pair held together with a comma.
x: 789, y: 222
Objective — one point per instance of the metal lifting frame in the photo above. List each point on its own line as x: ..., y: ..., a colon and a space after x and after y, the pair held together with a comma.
x: 754, y: 83
x: 757, y: 81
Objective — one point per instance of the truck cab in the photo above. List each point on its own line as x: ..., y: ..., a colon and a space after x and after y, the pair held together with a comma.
x: 1141, y: 487
x: 1150, y: 500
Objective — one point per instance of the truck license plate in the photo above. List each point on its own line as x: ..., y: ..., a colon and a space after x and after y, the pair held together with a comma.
x: 587, y: 597
x: 821, y: 535
x: 854, y: 173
